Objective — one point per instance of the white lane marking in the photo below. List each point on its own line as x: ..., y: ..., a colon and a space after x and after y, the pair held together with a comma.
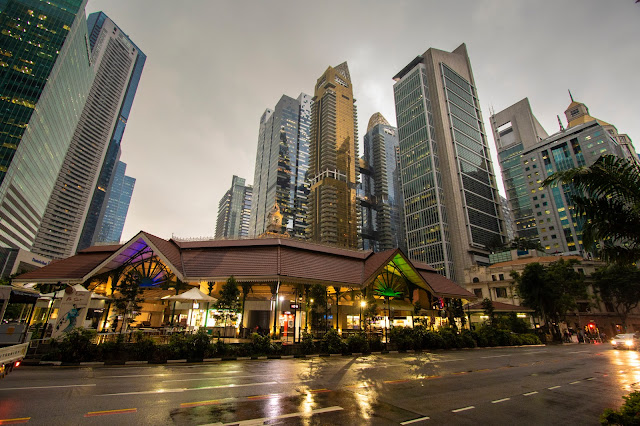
x: 530, y: 393
x: 408, y: 422
x: 169, y: 374
x: 216, y: 378
x: 591, y: 378
x: 178, y: 390
x: 553, y: 387
x: 471, y: 407
x: 494, y: 356
x: 497, y: 401
x: 48, y: 387
x: 576, y: 382
x: 450, y: 360
x: 282, y: 416
x: 578, y: 352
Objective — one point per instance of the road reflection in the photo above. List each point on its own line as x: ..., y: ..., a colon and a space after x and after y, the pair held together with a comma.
x: 628, y: 364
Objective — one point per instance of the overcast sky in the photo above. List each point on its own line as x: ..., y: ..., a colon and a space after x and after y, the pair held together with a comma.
x: 213, y: 67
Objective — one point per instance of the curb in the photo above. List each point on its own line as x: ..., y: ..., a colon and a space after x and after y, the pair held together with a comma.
x: 135, y: 362
x: 176, y: 361
x: 211, y: 359
x: 91, y: 363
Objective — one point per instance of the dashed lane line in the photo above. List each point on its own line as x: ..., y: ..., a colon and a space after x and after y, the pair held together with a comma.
x: 14, y: 421
x: 576, y: 382
x: 495, y: 356
x: 497, y: 401
x: 48, y: 387
x: 554, y: 387
x: 419, y: 419
x: 178, y: 390
x: 458, y: 410
x: 530, y: 393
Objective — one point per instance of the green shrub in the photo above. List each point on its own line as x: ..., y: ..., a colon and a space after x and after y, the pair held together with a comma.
x: 177, y: 346
x: 143, y: 347
x: 198, y: 345
x: 358, y: 343
x: 450, y: 338
x: 433, y: 340
x: 332, y: 343
x: 402, y: 337
x: 307, y: 343
x: 375, y: 343
x: 468, y: 340
x: 261, y: 345
x: 77, y: 346
x: 629, y: 413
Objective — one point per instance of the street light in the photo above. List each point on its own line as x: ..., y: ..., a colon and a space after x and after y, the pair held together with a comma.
x: 362, y: 305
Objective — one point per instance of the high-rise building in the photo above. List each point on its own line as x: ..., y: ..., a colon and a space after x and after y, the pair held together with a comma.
x: 333, y: 164
x: 554, y: 221
x: 117, y: 207
x: 381, y: 204
x: 114, y: 58
x: 234, y: 211
x: 46, y: 71
x: 518, y: 130
x: 282, y: 162
x: 92, y: 227
x: 451, y: 201
x: 509, y: 223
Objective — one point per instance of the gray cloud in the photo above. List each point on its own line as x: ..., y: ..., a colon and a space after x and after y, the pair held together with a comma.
x: 214, y: 66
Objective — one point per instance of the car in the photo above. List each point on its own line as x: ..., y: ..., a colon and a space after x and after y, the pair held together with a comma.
x: 626, y: 341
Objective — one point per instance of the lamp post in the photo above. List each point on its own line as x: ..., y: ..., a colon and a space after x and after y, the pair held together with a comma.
x: 362, y: 305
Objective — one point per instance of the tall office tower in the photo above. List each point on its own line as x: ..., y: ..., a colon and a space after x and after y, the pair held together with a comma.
x: 92, y: 227
x: 451, y: 202
x: 333, y: 206
x: 518, y: 131
x: 282, y: 162
x: 555, y: 222
x: 381, y: 204
x: 45, y: 75
x: 112, y: 222
x: 114, y: 58
x: 509, y: 223
x: 234, y: 211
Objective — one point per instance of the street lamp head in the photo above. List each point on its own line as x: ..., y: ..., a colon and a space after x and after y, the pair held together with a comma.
x: 363, y: 304
x: 281, y: 298
x: 311, y: 300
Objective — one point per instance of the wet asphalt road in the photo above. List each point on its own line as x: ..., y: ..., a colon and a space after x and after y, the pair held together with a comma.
x: 569, y: 384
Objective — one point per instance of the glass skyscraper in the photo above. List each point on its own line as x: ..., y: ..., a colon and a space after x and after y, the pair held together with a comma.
x: 282, y: 162
x: 234, y: 211
x: 92, y: 224
x: 333, y: 164
x: 117, y: 206
x: 451, y: 202
x: 45, y: 75
x: 381, y: 202
x: 114, y: 58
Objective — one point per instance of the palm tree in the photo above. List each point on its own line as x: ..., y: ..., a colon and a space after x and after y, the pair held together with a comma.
x: 607, y: 194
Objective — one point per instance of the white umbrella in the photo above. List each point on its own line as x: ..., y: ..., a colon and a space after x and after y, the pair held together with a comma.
x: 193, y: 295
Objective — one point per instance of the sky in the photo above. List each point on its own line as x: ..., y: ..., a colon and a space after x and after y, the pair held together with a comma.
x: 213, y: 67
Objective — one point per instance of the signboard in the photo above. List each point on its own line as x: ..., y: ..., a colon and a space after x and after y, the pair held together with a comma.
x: 72, y: 311
x: 294, y: 306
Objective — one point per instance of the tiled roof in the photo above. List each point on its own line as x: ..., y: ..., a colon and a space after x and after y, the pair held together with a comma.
x: 264, y: 260
x: 444, y: 286
x: 73, y: 268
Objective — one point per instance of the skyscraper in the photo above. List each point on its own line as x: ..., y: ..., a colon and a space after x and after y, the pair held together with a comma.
x: 518, y: 130
x: 45, y: 75
x: 113, y: 57
x: 381, y: 205
x: 282, y: 162
x: 553, y: 218
x: 333, y: 209
x: 92, y: 227
x: 234, y: 211
x: 451, y: 202
x: 117, y: 206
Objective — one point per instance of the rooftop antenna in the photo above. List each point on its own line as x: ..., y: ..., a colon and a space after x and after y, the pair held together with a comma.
x: 560, y: 122
x: 570, y: 95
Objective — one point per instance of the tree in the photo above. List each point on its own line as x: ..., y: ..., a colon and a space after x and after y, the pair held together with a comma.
x: 551, y: 290
x: 228, y: 302
x: 318, y: 298
x: 489, y: 311
x: 128, y: 299
x: 619, y: 285
x: 607, y: 195
x: 246, y: 288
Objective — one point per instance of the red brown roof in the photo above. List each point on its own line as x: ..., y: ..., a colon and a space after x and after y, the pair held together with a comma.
x: 259, y: 260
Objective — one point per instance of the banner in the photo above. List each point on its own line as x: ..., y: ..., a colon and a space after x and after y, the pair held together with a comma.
x: 72, y: 311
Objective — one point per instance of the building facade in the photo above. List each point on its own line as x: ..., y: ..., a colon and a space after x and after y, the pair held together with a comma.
x: 117, y: 207
x: 381, y: 204
x: 234, y: 211
x: 547, y: 213
x: 113, y: 57
x: 518, y: 130
x: 282, y: 162
x: 93, y: 225
x: 46, y: 71
x: 451, y: 202
x: 333, y: 168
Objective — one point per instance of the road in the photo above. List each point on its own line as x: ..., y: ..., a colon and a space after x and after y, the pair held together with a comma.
x: 569, y: 384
